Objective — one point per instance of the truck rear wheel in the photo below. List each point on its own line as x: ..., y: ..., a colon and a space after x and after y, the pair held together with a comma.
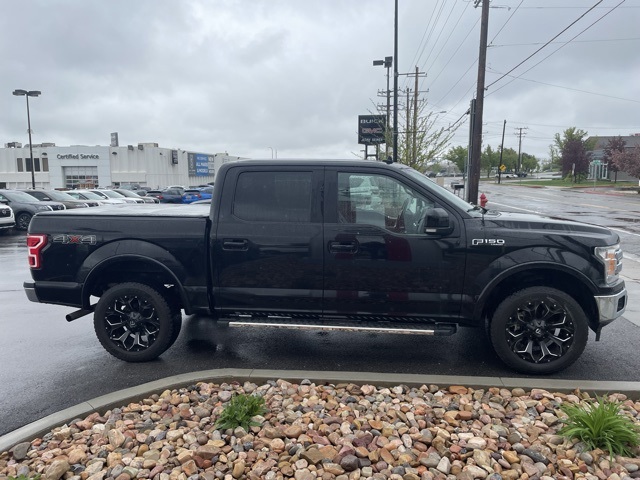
x: 134, y: 322
x: 539, y: 330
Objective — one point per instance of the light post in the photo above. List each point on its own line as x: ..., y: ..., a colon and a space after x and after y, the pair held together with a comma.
x: 272, y: 150
x: 387, y: 63
x: 27, y: 94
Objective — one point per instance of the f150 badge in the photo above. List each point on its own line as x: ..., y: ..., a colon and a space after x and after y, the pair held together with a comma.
x: 495, y: 242
x: 66, y: 239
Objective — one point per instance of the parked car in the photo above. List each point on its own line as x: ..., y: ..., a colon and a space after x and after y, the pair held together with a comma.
x: 25, y: 206
x: 57, y: 196
x: 89, y: 196
x: 7, y: 218
x: 168, y: 195
x: 191, y: 195
x: 113, y: 196
x: 206, y: 192
x: 135, y: 196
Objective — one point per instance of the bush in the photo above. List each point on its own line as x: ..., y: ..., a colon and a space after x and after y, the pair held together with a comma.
x: 240, y: 410
x: 600, y: 424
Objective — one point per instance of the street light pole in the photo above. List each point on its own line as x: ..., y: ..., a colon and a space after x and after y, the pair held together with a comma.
x: 387, y: 62
x: 27, y: 94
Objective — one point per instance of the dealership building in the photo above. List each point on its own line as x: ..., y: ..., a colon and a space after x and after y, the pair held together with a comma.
x: 81, y: 166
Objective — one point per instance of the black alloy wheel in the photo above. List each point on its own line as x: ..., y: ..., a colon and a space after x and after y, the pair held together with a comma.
x: 134, y: 322
x: 22, y: 220
x: 539, y: 330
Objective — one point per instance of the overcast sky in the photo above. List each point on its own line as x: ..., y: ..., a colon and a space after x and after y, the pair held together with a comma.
x: 243, y: 76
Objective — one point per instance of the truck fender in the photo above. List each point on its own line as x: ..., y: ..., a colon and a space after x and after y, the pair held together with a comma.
x: 517, y: 262
x: 118, y: 251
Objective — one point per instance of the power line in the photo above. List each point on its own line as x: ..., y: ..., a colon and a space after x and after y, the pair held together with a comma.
x: 447, y: 39
x: 563, y: 87
x: 547, y: 43
x: 577, y: 41
x: 505, y: 23
x: 562, y: 46
x: 453, y: 55
x: 439, y: 34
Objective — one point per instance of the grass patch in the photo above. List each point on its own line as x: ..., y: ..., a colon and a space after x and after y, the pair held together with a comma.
x: 600, y: 424
x: 239, y: 412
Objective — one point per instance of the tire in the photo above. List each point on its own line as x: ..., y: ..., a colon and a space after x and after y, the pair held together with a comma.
x: 22, y: 220
x: 539, y: 330
x: 134, y: 322
x: 177, y: 326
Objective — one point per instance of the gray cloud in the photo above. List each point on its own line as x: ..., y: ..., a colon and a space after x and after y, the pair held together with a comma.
x: 243, y: 76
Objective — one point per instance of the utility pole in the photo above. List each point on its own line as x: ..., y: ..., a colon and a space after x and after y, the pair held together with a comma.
x: 519, y: 166
x: 474, y: 173
x: 504, y: 125
x: 415, y: 119
x: 408, y: 128
x: 395, y: 84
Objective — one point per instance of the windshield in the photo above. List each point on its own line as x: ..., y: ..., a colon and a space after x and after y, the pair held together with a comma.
x: 20, y: 197
x: 86, y: 195
x: 61, y: 196
x: 111, y: 194
x: 126, y: 193
x: 449, y: 196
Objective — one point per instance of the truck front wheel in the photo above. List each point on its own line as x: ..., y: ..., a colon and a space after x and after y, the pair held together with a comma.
x: 539, y: 330
x: 134, y: 322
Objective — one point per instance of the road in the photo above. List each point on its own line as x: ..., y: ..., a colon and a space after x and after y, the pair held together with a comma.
x: 49, y: 364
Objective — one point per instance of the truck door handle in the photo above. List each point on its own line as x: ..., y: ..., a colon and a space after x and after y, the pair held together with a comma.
x: 235, y: 244
x: 342, y: 247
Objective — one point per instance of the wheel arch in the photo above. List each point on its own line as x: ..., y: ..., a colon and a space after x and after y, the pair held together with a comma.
x: 555, y: 276
x: 133, y: 261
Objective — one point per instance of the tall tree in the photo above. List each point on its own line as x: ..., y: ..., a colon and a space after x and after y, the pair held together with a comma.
x: 615, y: 144
x: 420, y: 144
x: 575, y: 159
x: 529, y: 162
x: 458, y: 156
x: 627, y: 160
x: 489, y: 159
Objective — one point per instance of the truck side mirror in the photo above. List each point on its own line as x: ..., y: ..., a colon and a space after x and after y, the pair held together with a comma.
x: 436, y: 222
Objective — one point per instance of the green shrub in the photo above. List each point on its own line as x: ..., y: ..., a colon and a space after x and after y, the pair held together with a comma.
x: 24, y: 477
x: 240, y: 410
x: 600, y: 424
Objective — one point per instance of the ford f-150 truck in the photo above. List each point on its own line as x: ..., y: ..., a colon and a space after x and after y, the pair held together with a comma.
x: 355, y: 245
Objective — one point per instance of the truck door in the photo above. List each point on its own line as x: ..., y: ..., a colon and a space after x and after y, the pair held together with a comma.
x: 266, y: 247
x: 379, y: 260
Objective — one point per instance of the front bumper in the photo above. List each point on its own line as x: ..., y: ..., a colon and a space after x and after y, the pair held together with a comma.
x: 611, y: 307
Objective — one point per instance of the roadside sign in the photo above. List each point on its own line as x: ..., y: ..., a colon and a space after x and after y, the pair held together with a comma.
x: 503, y: 168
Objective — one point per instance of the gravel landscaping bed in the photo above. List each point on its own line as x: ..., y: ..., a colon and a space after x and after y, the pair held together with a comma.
x: 334, y: 431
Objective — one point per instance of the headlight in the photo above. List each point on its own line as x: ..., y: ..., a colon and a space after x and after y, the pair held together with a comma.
x: 43, y: 208
x: 611, y: 258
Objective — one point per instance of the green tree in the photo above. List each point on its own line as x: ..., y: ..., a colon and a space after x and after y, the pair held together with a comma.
x: 489, y: 159
x: 615, y: 144
x: 529, y: 162
x: 571, y: 133
x: 457, y: 155
x: 510, y: 159
x: 575, y: 159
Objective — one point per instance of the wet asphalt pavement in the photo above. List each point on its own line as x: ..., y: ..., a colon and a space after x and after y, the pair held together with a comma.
x: 50, y: 364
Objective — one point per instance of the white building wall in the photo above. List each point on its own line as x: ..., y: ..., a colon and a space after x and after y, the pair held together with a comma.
x: 144, y: 164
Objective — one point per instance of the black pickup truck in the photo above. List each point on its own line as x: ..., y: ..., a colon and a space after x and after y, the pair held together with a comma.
x: 354, y: 245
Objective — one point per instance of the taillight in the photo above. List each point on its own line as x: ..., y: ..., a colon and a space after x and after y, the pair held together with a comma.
x: 35, y: 244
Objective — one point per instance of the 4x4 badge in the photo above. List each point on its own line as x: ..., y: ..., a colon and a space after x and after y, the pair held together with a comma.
x: 75, y: 239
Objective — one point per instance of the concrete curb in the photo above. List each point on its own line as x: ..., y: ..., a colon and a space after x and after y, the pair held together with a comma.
x: 125, y: 396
